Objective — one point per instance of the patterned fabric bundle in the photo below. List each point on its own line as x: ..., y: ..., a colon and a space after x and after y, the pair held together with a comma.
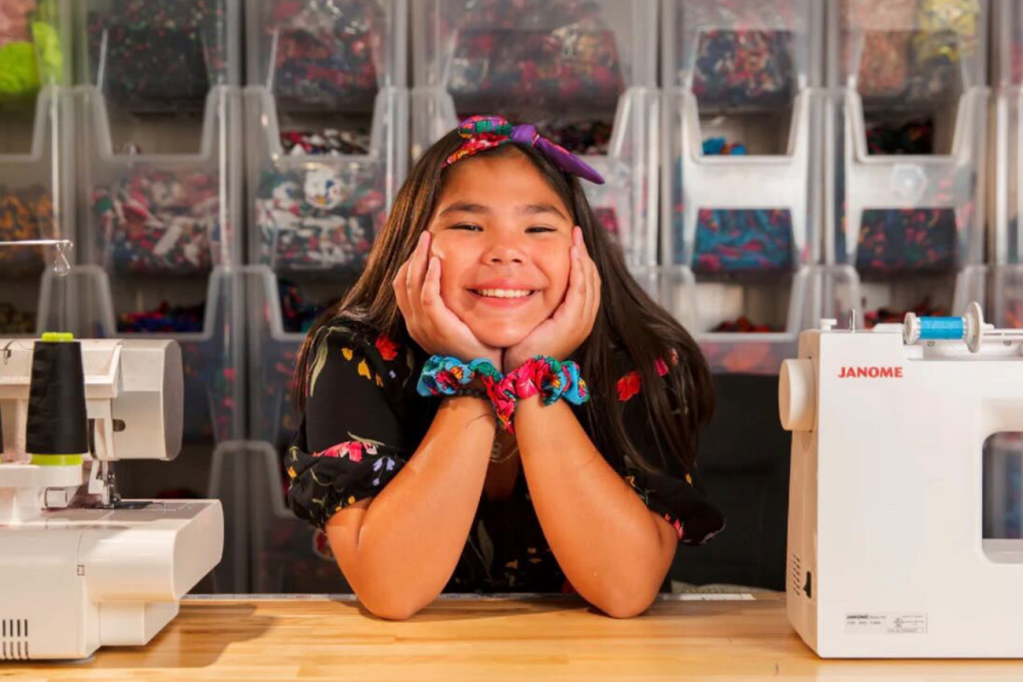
x: 159, y: 53
x: 157, y: 221
x: 325, y: 51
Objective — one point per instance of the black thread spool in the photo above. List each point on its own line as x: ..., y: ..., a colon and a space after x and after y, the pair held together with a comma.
x: 57, y: 429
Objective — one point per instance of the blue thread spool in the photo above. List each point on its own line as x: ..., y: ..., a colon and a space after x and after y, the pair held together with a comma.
x: 969, y: 328
x: 942, y: 328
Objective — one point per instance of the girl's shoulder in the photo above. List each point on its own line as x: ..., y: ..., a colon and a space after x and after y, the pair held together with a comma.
x: 356, y: 333
x: 342, y: 339
x: 344, y: 327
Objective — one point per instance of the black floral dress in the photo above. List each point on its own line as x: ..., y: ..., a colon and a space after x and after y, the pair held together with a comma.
x: 364, y: 419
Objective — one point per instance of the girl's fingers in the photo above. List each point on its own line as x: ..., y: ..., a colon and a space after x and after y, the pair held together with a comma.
x: 575, y: 298
x: 590, y: 293
x: 431, y: 284
x: 592, y: 279
x: 595, y: 299
x: 435, y: 312
x: 593, y: 285
x: 579, y: 262
x: 400, y: 293
x: 446, y: 325
x: 417, y: 266
x: 433, y: 303
x: 406, y: 307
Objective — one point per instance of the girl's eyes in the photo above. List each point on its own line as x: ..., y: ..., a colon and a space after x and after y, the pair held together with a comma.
x: 536, y: 229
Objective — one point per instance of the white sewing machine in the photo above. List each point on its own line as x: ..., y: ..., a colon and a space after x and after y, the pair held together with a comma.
x: 886, y: 555
x: 79, y: 568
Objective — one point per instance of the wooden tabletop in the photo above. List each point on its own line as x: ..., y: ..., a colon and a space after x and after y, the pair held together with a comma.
x: 491, y: 640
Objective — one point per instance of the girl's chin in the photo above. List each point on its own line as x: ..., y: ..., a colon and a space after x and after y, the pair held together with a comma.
x: 502, y: 331
x: 500, y: 340
x: 497, y: 335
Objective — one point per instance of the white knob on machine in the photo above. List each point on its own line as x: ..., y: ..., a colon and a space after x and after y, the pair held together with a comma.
x: 797, y: 403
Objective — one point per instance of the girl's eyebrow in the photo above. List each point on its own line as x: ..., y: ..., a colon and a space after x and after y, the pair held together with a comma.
x: 524, y: 209
x: 464, y: 207
x: 534, y: 209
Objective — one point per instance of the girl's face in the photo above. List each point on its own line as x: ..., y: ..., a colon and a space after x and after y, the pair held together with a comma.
x: 503, y: 238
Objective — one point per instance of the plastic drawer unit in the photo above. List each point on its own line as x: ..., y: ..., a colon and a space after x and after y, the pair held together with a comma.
x: 740, y: 171
x: 905, y: 136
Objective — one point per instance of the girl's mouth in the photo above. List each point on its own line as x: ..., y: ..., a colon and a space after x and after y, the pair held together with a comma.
x: 503, y: 297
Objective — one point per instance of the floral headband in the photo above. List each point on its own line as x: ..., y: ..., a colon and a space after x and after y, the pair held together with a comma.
x: 486, y: 132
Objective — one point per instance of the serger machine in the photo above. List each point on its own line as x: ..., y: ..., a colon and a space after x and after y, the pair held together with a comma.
x: 80, y: 568
x: 886, y: 554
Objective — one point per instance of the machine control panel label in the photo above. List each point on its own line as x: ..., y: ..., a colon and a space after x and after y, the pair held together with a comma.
x: 886, y: 624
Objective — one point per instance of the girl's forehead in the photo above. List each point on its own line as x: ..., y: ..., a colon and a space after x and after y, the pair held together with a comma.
x: 498, y: 182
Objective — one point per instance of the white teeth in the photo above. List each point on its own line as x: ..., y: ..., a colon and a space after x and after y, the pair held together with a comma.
x: 504, y: 293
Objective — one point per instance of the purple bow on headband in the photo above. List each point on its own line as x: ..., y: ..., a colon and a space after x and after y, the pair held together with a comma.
x: 486, y: 132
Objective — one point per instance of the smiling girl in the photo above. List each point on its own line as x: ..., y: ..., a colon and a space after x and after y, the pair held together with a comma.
x: 497, y: 406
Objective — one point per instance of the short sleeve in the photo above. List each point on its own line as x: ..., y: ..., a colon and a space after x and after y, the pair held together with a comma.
x: 677, y: 495
x: 351, y: 442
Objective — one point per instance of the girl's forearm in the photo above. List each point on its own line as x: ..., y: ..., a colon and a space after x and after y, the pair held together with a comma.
x: 399, y: 550
x: 613, y: 549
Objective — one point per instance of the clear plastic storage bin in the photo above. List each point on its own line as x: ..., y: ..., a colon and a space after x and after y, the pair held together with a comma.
x: 35, y: 203
x: 158, y: 55
x: 745, y: 326
x: 320, y: 214
x: 583, y: 72
x: 36, y: 154
x: 34, y: 50
x: 288, y: 555
x: 331, y: 55
x: 845, y: 292
x: 741, y: 111
x: 159, y: 227
x: 327, y: 122
x: 212, y: 354
x: 1008, y: 139
x: 905, y: 136
x: 160, y: 197
x: 230, y: 482
x: 275, y: 335
x: 1005, y: 246
x: 1007, y: 36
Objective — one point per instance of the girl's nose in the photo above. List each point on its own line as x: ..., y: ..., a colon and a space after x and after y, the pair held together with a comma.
x: 503, y: 251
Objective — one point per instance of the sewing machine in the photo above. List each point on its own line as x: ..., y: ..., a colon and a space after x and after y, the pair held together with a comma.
x: 80, y: 568
x: 886, y: 554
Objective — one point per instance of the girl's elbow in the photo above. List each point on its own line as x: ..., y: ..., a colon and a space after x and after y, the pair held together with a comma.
x: 391, y: 609
x: 627, y: 608
x: 619, y: 603
x: 390, y: 604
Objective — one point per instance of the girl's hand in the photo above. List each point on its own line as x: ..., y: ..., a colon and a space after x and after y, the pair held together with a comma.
x: 430, y: 322
x: 572, y: 322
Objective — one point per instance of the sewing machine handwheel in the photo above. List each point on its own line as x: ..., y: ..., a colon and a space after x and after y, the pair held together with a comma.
x: 797, y: 404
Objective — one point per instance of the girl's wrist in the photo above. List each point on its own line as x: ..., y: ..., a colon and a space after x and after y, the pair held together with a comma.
x: 453, y: 379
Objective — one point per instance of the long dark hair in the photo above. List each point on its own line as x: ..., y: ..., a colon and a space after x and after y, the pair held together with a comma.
x: 628, y: 318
